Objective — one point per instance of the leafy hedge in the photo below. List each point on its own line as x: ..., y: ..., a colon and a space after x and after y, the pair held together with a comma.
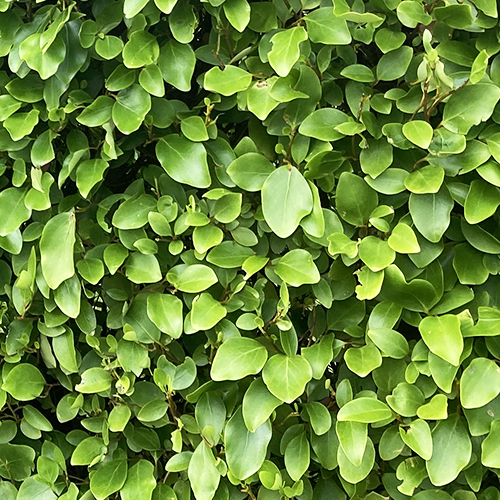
x: 249, y: 249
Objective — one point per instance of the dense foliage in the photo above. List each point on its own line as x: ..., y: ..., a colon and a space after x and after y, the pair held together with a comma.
x: 249, y: 249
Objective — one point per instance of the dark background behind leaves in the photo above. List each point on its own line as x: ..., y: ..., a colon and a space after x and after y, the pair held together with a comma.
x: 249, y: 250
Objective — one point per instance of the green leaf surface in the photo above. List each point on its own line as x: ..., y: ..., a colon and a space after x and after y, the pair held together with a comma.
x: 286, y: 199
x: 287, y: 376
x: 245, y: 450
x: 238, y: 357
x: 184, y: 161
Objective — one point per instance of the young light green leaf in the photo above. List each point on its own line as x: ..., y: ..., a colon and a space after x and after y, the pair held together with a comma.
x: 202, y: 472
x: 285, y: 50
x: 56, y: 249
x: 297, y: 268
x: 365, y: 410
x: 443, y: 337
x: 480, y: 383
x: 286, y: 200
x: 184, y: 161
x: 286, y: 376
x: 238, y: 357
x: 452, y: 450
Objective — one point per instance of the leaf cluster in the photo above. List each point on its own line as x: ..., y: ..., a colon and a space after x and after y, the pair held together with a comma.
x: 249, y: 249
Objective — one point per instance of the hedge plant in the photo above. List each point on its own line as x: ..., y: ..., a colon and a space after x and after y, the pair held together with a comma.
x: 249, y: 249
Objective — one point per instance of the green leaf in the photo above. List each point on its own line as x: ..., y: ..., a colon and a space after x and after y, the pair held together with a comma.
x: 193, y: 127
x: 365, y: 410
x: 479, y: 66
x: 133, y: 213
x: 319, y: 355
x: 94, y: 380
x: 238, y: 357
x: 24, y: 382
x: 490, y: 452
x: 285, y: 50
x: 403, y: 239
x: 419, y: 132
x: 480, y: 383
x: 358, y: 73
x: 13, y: 210
x: 56, y: 249
x: 141, y: 50
x: 202, y: 472
x: 469, y: 270
x: 46, y: 61
x: 245, y: 450
x: 131, y: 106
x: 297, y: 268
x: 406, y: 399
x: 452, y: 450
x: 411, y: 13
x: 140, y: 268
x: 177, y: 62
x: 363, y: 360
x: 431, y: 213
x: 210, y: 413
x: 237, y: 13
x: 319, y: 416
x: 443, y: 337
x: 118, y: 418
x: 321, y: 124
x: 8, y: 106
x: 88, y: 450
x: 97, y: 113
x: 32, y: 489
x: 151, y: 80
x: 388, y: 40
x: 108, y: 478
x: 140, y: 481
x: 418, y: 438
x: 435, y: 409
x: 394, y: 64
x: 470, y: 106
x: 182, y: 22
x: 88, y: 174
x: 353, y: 437
x: 425, y: 180
x: 390, y: 342
x: 324, y: 27
x: 114, y: 257
x: 20, y: 125
x: 91, y: 270
x: 64, y: 350
x: 286, y: 376
x: 229, y: 254
x: 250, y: 170
x: 376, y: 158
x: 109, y: 47
x: 132, y: 7
x: 165, y: 311
x: 354, y: 474
x: 195, y: 278
x: 206, y: 312
x: 481, y: 202
x: 184, y: 161
x: 376, y: 253
x: 355, y: 200
x: 297, y: 456
x: 228, y: 81
x: 286, y: 199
